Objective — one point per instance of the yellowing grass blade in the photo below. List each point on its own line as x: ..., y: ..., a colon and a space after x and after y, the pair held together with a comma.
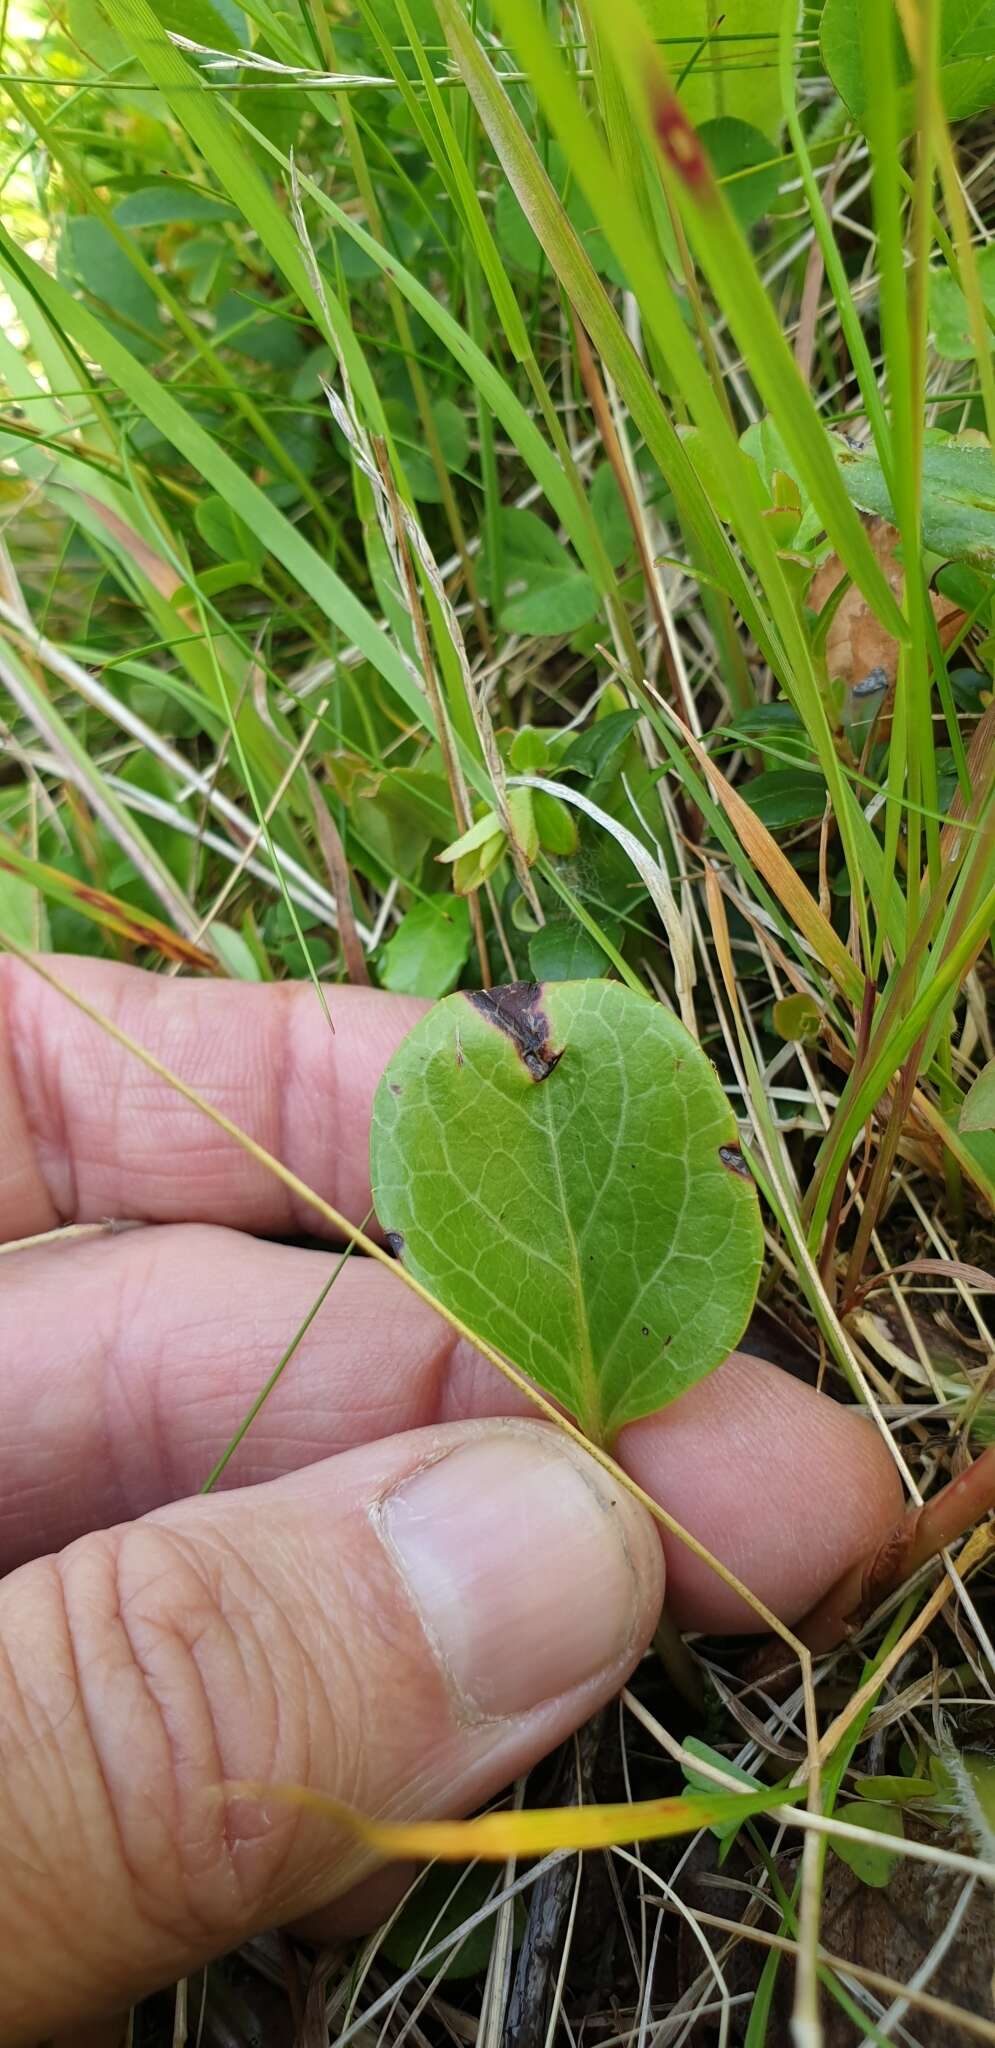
x: 535, y: 1832
x: 104, y: 908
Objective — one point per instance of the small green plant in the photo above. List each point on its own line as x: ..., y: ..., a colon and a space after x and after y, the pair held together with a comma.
x: 561, y: 1167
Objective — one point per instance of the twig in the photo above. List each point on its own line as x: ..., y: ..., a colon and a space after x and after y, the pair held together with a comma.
x: 532, y: 1991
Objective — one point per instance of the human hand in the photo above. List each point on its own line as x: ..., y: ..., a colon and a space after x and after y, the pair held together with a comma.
x: 407, y: 1600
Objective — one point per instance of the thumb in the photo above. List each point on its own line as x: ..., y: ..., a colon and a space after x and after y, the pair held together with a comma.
x: 407, y: 1626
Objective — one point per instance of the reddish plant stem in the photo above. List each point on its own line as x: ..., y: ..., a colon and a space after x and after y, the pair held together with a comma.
x: 919, y: 1536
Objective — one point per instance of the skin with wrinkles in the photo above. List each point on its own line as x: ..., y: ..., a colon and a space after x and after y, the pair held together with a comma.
x: 152, y: 1643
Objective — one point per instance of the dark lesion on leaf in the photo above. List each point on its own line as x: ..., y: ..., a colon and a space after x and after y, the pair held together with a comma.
x: 732, y: 1157
x: 395, y: 1242
x: 516, y: 1010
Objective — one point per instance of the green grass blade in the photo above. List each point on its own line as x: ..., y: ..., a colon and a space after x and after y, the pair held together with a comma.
x: 777, y: 625
x: 199, y: 113
x: 276, y: 532
x: 728, y: 263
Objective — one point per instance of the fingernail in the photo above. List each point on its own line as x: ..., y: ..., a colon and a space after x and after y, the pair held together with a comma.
x: 520, y: 1565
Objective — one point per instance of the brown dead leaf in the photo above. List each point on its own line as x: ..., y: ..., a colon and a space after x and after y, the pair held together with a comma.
x: 857, y: 645
x: 892, y: 1929
x: 139, y: 928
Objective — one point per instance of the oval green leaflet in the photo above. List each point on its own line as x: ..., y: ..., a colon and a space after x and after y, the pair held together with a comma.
x: 559, y: 1165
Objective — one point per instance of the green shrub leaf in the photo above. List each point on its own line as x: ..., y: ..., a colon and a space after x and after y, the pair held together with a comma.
x: 746, y: 163
x: 958, y: 498
x: 608, y: 506
x: 564, y: 951
x: 428, y: 949
x: 159, y: 205
x: 91, y: 259
x: 548, y: 591
x: 978, y: 1113
x: 872, y: 1864
x: 226, y: 533
x: 560, y: 1166
x: 948, y: 314
x: 454, y: 444
x: 966, y: 68
x: 782, y: 797
x: 721, y: 57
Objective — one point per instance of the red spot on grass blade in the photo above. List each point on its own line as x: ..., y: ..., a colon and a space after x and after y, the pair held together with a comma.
x: 679, y: 140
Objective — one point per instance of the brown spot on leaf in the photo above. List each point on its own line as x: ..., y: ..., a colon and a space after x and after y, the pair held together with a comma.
x: 515, y: 1009
x: 732, y: 1157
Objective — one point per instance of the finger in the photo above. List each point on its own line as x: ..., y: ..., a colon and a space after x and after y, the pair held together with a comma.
x: 406, y: 1627
x: 87, y: 1132
x: 786, y: 1487
x: 129, y: 1400
x: 131, y: 1360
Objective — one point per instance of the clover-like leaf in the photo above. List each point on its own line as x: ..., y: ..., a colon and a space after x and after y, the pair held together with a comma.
x: 560, y: 1166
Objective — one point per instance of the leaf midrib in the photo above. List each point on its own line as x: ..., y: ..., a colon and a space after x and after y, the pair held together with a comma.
x: 589, y: 1406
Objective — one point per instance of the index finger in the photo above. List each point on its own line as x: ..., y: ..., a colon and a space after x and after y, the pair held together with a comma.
x: 88, y: 1133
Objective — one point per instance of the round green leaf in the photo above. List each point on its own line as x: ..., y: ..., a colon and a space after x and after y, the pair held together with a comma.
x: 516, y: 240
x: 978, y: 1112
x: 723, y: 56
x: 89, y: 27
x: 89, y: 257
x: 559, y: 1165
x: 242, y: 323
x: 520, y: 245
x: 454, y: 444
x: 563, y: 951
x: 747, y: 163
x: 608, y: 506
x: 169, y: 200
x: 428, y: 949
x: 440, y: 1905
x: 786, y: 796
x: 958, y: 497
x: 948, y: 315
x: 547, y: 590
x: 872, y: 1864
x: 556, y: 826
x: 226, y: 533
